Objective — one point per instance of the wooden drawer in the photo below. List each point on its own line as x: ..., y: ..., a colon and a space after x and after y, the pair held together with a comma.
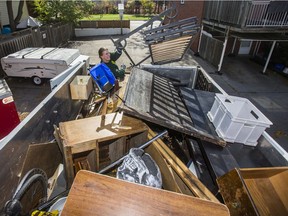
x: 259, y: 191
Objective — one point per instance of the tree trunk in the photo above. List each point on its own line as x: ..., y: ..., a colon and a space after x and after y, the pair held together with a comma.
x: 155, y: 7
x: 12, y: 22
x: 10, y: 14
x: 20, y: 12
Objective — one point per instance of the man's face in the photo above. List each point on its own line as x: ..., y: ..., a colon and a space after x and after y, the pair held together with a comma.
x: 105, y: 56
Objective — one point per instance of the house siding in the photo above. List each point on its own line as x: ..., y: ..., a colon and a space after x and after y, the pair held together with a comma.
x: 4, y: 19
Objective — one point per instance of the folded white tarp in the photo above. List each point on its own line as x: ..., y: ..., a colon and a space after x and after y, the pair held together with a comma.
x: 28, y: 22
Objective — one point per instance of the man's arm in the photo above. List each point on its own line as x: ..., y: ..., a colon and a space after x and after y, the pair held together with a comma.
x: 116, y: 55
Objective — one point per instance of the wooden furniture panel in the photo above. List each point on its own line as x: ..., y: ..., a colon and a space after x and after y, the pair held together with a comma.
x: 168, y: 182
x: 264, y: 197
x: 269, y: 196
x: 38, y: 155
x: 95, y: 194
x: 84, y: 130
x: 107, y: 137
x: 255, y: 191
x: 189, y: 180
x: 277, y: 182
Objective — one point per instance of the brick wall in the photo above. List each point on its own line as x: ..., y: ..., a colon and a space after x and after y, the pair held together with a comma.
x: 190, y: 9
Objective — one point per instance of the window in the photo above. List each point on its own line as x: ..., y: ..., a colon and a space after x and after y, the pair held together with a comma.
x: 245, y: 43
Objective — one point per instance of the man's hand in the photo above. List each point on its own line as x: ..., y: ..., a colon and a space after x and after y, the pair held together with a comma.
x: 119, y: 49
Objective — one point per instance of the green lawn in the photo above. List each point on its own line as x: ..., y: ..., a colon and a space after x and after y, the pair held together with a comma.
x: 116, y: 17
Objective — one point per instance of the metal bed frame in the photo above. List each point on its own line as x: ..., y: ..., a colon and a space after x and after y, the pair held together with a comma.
x: 167, y: 43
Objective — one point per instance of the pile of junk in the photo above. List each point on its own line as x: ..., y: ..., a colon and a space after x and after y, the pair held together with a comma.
x: 162, y: 141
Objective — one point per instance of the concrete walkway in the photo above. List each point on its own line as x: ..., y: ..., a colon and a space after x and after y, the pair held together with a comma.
x: 241, y: 77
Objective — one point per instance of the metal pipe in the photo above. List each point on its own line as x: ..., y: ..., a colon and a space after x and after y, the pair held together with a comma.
x: 141, y: 147
x: 256, y: 48
x: 234, y: 44
x: 200, y: 38
x: 269, y: 56
x: 223, y: 51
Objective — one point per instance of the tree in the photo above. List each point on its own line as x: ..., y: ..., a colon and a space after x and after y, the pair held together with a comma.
x: 147, y: 6
x: 51, y: 11
x: 130, y: 6
x: 13, y: 22
x: 158, y: 6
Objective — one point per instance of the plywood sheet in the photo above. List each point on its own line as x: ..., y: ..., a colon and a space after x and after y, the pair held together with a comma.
x: 38, y: 155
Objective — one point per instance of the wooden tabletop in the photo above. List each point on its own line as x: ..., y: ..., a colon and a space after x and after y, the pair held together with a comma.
x: 114, y: 125
x: 95, y: 194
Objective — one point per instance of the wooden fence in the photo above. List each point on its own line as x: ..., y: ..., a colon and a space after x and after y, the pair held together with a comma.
x: 45, y: 36
x: 211, y: 49
x: 104, y: 24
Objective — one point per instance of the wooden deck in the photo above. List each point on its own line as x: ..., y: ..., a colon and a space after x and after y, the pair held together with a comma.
x: 153, y: 98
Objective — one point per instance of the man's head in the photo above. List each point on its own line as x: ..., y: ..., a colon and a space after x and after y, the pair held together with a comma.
x: 104, y: 54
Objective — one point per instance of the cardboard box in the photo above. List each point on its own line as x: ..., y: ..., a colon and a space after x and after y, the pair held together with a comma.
x: 81, y: 87
x: 255, y: 191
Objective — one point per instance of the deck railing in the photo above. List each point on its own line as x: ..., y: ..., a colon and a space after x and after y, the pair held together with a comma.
x: 248, y: 14
x: 261, y: 15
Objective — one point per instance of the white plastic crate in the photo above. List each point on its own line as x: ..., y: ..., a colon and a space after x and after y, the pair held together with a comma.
x: 236, y: 119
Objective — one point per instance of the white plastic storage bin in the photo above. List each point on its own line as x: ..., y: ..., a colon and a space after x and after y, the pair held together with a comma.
x: 81, y: 87
x: 236, y: 119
